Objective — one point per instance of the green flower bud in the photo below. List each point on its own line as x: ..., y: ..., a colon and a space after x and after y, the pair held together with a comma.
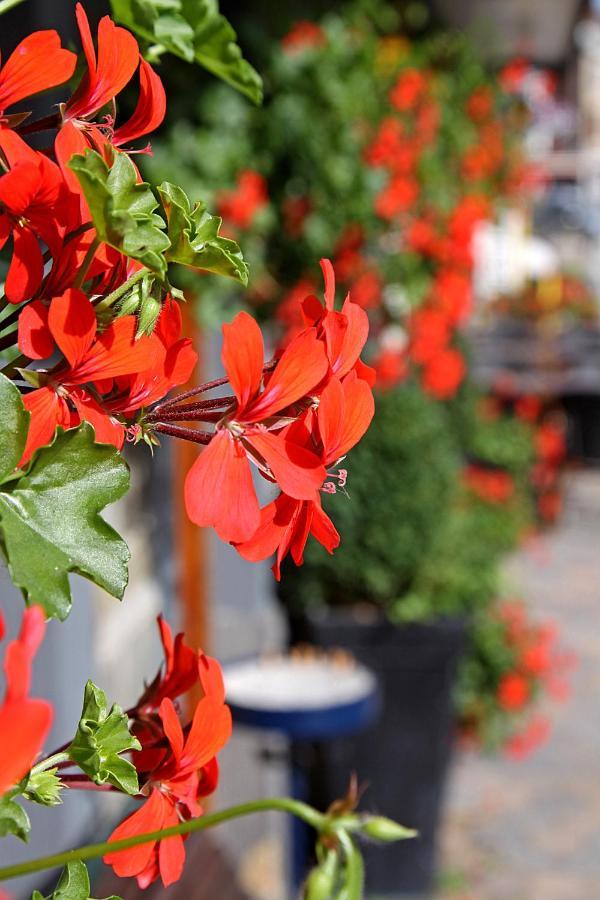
x: 383, y: 829
x: 321, y: 882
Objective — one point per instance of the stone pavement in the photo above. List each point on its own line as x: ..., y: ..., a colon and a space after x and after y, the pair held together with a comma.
x: 531, y: 830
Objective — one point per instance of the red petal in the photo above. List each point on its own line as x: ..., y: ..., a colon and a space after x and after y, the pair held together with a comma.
x: 211, y: 678
x: 301, y: 367
x: 20, y: 653
x: 243, y: 357
x: 26, y: 267
x: 72, y: 321
x: 116, y: 352
x: 169, y: 323
x: 329, y: 279
x: 20, y: 185
x: 47, y: 410
x: 117, y: 61
x: 150, y: 817
x: 171, y: 853
x: 323, y: 529
x: 172, y: 726
x: 69, y: 141
x: 38, y: 63
x: 150, y: 109
x: 210, y: 731
x: 27, y: 723
x: 365, y: 373
x: 107, y: 429
x: 35, y: 339
x: 219, y: 492
x: 330, y: 416
x: 344, y: 345
x: 297, y: 471
x: 359, y: 409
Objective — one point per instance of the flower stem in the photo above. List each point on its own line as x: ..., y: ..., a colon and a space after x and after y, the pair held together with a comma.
x: 115, y: 295
x: 87, y: 261
x: 50, y: 762
x: 186, y: 434
x: 309, y: 815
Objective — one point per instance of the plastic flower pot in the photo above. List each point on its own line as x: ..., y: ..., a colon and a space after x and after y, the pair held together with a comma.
x: 402, y: 760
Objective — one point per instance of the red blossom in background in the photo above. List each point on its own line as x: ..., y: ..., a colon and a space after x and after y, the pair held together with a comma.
x: 303, y: 35
x: 490, y: 485
x: 24, y: 721
x: 408, y: 90
x: 240, y: 206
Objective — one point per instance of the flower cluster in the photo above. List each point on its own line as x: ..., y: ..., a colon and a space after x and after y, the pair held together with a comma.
x: 293, y: 419
x: 107, y: 339
x: 177, y: 767
x: 548, y: 434
x: 516, y: 662
x: 106, y: 371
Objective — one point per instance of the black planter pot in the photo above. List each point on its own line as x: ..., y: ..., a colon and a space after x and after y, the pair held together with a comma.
x: 404, y: 758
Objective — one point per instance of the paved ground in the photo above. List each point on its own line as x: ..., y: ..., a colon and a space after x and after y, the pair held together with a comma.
x: 531, y: 830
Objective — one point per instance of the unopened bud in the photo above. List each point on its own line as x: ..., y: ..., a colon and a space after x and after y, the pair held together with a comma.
x: 383, y: 829
x: 148, y: 313
x: 321, y: 882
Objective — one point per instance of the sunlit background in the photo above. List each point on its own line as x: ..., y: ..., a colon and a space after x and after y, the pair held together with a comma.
x: 446, y: 157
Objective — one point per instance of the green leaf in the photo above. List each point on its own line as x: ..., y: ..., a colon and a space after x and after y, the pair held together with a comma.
x: 101, y: 736
x: 195, y: 239
x: 13, y: 819
x: 50, y: 521
x: 13, y: 433
x: 43, y: 787
x: 122, y: 209
x: 194, y: 30
x: 73, y: 884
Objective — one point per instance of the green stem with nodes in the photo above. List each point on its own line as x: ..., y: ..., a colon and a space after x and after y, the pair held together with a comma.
x: 87, y: 261
x: 316, y: 820
x: 112, y: 298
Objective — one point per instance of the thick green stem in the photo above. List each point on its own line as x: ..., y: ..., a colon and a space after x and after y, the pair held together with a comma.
x: 309, y: 815
x: 112, y: 298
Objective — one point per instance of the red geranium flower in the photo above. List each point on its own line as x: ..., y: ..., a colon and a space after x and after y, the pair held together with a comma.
x: 408, y: 90
x: 240, y: 206
x: 187, y: 771
x: 70, y: 321
x: 24, y: 722
x: 32, y: 207
x: 108, y: 72
x: 491, y: 485
x: 513, y: 691
x: 397, y: 197
x: 219, y: 491
x: 303, y: 35
x: 344, y: 413
x: 444, y: 373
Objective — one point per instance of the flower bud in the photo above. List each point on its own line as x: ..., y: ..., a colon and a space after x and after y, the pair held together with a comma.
x: 321, y: 882
x: 383, y: 829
